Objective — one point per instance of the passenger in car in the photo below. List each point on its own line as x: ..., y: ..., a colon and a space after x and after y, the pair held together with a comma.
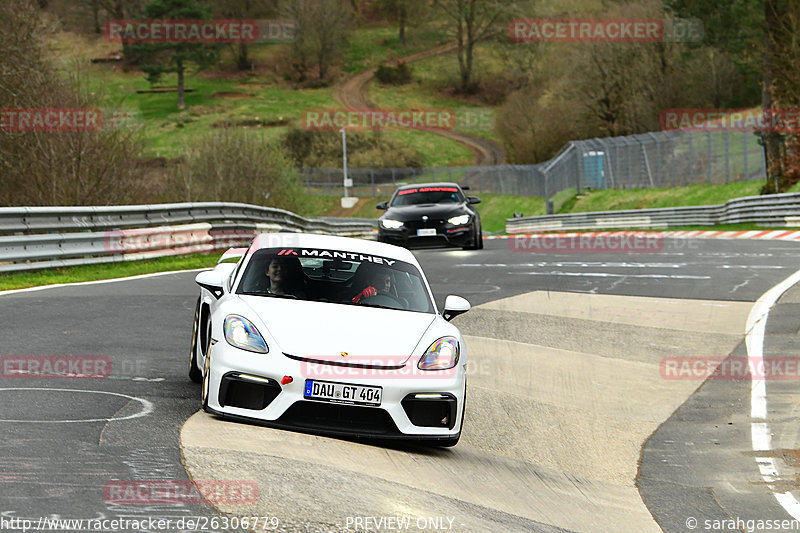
x: 285, y: 277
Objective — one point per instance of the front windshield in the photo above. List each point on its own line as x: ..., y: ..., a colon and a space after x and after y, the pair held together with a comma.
x: 337, y: 277
x: 427, y: 195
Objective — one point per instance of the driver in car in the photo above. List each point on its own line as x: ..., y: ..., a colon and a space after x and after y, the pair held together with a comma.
x: 383, y: 280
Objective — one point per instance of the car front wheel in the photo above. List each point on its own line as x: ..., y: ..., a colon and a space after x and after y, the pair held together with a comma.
x: 194, y: 372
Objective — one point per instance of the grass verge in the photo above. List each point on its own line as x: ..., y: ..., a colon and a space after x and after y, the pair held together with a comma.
x: 122, y: 269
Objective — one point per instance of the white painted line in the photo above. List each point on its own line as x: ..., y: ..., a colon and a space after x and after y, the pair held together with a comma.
x: 147, y: 407
x: 99, y: 281
x: 608, y: 275
x: 759, y: 428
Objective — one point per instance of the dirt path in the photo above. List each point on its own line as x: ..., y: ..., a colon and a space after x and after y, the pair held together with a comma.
x: 353, y: 93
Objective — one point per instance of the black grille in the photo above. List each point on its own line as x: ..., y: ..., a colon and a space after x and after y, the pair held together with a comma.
x: 431, y: 412
x: 235, y: 391
x: 333, y: 417
x: 430, y: 223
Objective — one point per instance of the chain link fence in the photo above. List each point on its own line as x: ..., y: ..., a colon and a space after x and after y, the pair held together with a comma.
x: 649, y: 160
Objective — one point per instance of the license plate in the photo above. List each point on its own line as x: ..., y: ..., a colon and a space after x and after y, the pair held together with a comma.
x: 329, y: 391
x: 426, y: 232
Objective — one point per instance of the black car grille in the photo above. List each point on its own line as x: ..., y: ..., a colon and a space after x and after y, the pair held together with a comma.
x: 340, y: 418
x: 419, y: 224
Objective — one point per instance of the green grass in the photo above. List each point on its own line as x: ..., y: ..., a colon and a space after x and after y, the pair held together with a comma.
x: 614, y: 200
x: 21, y: 280
x: 720, y: 227
x: 496, y: 208
x: 368, y: 47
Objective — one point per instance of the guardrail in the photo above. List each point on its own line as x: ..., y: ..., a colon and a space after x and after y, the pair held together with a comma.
x: 773, y: 210
x: 46, y: 237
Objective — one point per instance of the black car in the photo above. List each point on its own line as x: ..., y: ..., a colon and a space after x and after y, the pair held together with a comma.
x: 431, y: 214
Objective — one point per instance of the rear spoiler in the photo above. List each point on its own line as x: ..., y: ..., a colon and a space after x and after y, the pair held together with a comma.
x: 232, y: 253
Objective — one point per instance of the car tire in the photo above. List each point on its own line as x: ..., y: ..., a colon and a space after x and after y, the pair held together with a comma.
x: 195, y: 374
x: 206, y: 389
x: 477, y: 240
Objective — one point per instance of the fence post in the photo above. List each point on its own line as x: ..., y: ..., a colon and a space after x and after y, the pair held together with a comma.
x: 691, y: 156
x: 548, y: 205
x: 746, y: 146
x: 727, y: 156
x: 672, y: 161
x: 710, y: 161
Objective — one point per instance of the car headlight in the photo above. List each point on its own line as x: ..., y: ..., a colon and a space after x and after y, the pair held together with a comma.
x: 459, y: 220
x: 241, y: 333
x: 441, y: 355
x: 388, y: 223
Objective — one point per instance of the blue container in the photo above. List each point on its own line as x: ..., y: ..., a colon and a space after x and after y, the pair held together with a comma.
x: 593, y: 175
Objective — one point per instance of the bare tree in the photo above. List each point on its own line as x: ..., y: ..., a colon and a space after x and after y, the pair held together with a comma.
x: 322, y: 28
x: 236, y: 165
x: 781, y: 90
x: 85, y: 167
x: 471, y: 21
x: 404, y: 13
x: 244, y: 9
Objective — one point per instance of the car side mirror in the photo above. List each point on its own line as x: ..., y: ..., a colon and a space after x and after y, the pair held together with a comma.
x: 454, y: 306
x: 473, y: 200
x: 213, y: 281
x: 382, y: 205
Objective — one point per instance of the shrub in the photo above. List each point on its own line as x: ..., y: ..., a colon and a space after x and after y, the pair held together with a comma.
x: 239, y: 165
x: 309, y: 148
x: 399, y: 75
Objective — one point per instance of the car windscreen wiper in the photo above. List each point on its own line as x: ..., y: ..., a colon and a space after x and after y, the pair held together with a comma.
x: 270, y: 295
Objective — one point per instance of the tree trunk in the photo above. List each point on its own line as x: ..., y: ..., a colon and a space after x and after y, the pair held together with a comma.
x: 466, y: 63
x: 180, y: 68
x: 243, y: 59
x: 771, y: 138
x: 402, y: 22
x: 96, y: 15
x: 462, y: 69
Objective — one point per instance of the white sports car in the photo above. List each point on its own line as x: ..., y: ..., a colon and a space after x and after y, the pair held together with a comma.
x: 330, y: 335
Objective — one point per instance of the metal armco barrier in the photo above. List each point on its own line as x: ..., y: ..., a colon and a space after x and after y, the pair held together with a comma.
x: 778, y: 210
x: 46, y: 237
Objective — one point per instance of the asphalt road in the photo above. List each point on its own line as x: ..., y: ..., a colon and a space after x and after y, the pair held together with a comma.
x: 56, y: 463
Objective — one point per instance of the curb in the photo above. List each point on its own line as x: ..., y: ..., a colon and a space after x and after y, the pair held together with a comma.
x: 781, y: 235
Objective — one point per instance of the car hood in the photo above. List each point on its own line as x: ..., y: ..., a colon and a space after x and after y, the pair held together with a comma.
x: 322, y: 331
x: 415, y: 212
